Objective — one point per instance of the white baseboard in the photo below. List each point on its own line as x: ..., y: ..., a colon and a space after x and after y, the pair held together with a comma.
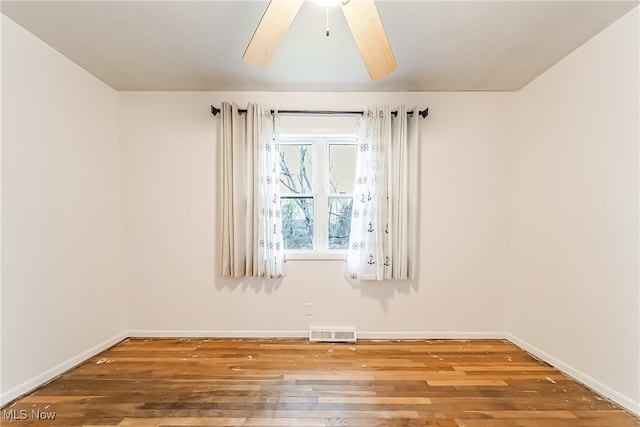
x: 142, y: 333
x: 45, y: 377
x: 619, y: 398
x: 428, y: 335
x: 372, y: 335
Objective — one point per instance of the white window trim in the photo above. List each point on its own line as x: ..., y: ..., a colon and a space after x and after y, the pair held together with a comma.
x: 313, y: 255
x: 320, y: 198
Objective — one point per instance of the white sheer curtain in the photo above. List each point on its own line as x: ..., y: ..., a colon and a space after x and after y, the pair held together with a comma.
x: 382, y: 242
x: 249, y: 205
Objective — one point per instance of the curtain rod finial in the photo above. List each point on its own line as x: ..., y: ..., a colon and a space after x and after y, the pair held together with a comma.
x: 215, y: 110
x: 424, y: 113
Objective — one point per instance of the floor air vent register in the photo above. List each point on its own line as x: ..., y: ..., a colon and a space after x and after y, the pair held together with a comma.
x: 317, y: 334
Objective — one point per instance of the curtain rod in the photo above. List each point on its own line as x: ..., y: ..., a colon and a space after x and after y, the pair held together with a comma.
x: 423, y: 113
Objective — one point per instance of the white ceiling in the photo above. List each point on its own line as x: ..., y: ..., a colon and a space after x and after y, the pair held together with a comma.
x: 198, y: 45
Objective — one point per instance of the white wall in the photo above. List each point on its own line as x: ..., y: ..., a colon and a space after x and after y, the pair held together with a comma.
x: 169, y: 148
x: 62, y: 266
x: 574, y: 282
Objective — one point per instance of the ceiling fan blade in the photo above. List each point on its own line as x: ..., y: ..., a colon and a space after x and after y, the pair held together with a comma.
x: 274, y: 24
x: 366, y: 26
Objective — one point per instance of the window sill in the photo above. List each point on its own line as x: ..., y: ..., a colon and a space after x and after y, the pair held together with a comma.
x: 315, y: 255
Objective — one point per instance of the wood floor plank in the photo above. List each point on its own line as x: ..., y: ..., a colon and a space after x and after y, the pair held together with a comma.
x: 382, y: 400
x: 181, y: 422
x: 286, y: 422
x: 529, y: 414
x: 284, y: 382
x: 467, y: 382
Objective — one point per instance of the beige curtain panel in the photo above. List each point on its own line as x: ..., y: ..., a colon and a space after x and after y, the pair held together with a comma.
x: 249, y: 223
x: 382, y: 242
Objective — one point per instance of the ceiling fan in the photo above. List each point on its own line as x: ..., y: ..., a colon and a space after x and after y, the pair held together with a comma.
x: 362, y: 17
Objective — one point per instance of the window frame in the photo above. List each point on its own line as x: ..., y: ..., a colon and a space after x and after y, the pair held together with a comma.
x: 320, y: 143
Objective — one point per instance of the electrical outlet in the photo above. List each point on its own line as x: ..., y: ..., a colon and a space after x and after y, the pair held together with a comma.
x: 308, y: 309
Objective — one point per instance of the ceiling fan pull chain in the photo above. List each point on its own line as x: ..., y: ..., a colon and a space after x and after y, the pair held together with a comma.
x: 327, y: 30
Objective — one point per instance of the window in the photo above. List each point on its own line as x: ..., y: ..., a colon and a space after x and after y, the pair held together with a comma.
x: 316, y: 185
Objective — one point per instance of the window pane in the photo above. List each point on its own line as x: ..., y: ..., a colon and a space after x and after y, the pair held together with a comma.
x: 339, y: 222
x: 342, y: 167
x: 297, y: 222
x: 296, y: 168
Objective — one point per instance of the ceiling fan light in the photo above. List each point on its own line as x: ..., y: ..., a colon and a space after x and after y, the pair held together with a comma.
x: 328, y: 3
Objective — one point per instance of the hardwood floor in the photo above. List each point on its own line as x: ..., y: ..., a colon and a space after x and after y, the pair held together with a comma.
x: 225, y: 382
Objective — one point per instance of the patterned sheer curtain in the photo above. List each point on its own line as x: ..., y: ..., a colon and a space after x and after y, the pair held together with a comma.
x: 249, y: 205
x: 382, y: 242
